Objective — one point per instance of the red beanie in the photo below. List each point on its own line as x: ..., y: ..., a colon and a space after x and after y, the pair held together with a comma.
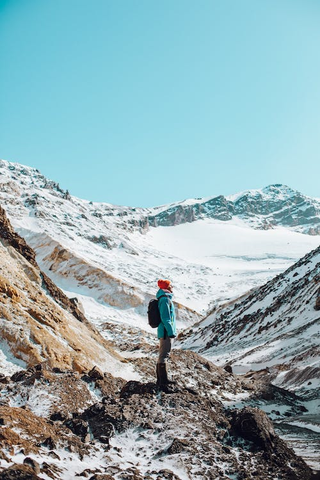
x: 164, y: 284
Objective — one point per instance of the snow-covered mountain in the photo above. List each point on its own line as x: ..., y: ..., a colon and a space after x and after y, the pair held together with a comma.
x: 275, y: 205
x: 275, y: 327
x: 111, y: 256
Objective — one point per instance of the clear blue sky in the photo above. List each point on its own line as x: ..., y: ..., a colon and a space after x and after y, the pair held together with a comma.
x: 144, y: 102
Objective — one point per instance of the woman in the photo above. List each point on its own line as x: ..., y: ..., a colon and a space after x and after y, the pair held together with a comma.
x: 167, y: 331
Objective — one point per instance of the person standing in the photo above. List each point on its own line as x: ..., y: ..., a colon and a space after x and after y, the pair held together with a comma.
x: 167, y: 331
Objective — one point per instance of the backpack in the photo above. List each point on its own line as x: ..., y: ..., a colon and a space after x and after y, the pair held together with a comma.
x: 154, y: 318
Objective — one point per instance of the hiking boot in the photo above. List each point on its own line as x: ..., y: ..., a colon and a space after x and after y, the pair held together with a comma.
x: 162, y: 378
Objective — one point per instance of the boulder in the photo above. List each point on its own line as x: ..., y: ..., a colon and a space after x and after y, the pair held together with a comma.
x: 19, y: 472
x: 253, y: 424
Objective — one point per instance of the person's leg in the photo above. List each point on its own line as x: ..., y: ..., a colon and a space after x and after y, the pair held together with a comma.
x: 164, y: 351
x: 165, y: 346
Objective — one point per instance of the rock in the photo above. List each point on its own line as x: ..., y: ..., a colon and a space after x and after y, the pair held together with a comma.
x: 102, y: 424
x: 54, y: 455
x: 228, y: 368
x: 57, y: 417
x: 165, y: 474
x: 87, y: 472
x: 19, y: 472
x: 95, y: 374
x: 49, y: 443
x: 317, y: 305
x: 177, y: 446
x: 102, y: 476
x: 78, y: 426
x: 33, y: 464
x: 13, y: 239
x: 32, y: 374
x: 253, y: 424
x: 137, y: 388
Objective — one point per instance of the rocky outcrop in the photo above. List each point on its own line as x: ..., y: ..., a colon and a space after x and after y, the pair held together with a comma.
x: 131, y: 430
x: 19, y: 472
x: 10, y: 237
x: 35, y: 327
x: 317, y: 304
x: 255, y: 427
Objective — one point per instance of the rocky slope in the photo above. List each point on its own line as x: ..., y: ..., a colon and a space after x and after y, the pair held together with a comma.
x: 276, y: 326
x: 62, y: 425
x: 38, y: 322
x: 63, y: 418
x: 273, y: 335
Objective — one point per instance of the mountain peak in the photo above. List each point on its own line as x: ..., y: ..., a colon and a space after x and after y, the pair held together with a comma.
x: 280, y: 189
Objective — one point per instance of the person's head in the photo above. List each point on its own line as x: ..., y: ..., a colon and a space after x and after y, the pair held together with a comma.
x: 165, y: 285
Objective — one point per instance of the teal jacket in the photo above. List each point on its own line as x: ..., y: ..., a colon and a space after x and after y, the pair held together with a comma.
x: 167, y: 326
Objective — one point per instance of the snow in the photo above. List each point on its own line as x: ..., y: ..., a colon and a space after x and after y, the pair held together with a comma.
x: 9, y: 364
x: 310, y: 426
x: 38, y: 400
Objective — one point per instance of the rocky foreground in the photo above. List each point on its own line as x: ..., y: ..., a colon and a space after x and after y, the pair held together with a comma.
x: 65, y: 424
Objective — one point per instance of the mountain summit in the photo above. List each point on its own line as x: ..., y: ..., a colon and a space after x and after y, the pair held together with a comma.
x: 274, y: 205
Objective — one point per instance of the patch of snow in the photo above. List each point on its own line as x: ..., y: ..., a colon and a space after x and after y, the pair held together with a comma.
x: 9, y: 364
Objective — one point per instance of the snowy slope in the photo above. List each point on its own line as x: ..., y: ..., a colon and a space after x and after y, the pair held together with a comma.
x: 275, y: 327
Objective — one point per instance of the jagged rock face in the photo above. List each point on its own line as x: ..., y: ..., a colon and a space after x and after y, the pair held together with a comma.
x: 131, y: 430
x: 12, y: 238
x: 267, y: 327
x: 274, y: 205
x: 219, y: 208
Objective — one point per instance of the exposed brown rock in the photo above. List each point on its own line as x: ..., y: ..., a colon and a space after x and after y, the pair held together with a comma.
x: 10, y: 237
x: 36, y: 328
x: 19, y: 472
x: 33, y: 464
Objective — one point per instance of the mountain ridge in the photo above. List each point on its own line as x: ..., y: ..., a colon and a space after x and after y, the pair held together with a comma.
x: 277, y: 203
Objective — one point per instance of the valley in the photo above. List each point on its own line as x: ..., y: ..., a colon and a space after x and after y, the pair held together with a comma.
x: 76, y: 278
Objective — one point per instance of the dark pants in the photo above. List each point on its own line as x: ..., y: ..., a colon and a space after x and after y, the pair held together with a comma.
x: 165, y: 349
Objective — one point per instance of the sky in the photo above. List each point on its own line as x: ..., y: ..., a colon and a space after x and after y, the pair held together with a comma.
x: 145, y: 102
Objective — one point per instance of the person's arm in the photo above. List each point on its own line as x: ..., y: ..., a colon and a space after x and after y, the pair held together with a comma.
x: 165, y: 314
